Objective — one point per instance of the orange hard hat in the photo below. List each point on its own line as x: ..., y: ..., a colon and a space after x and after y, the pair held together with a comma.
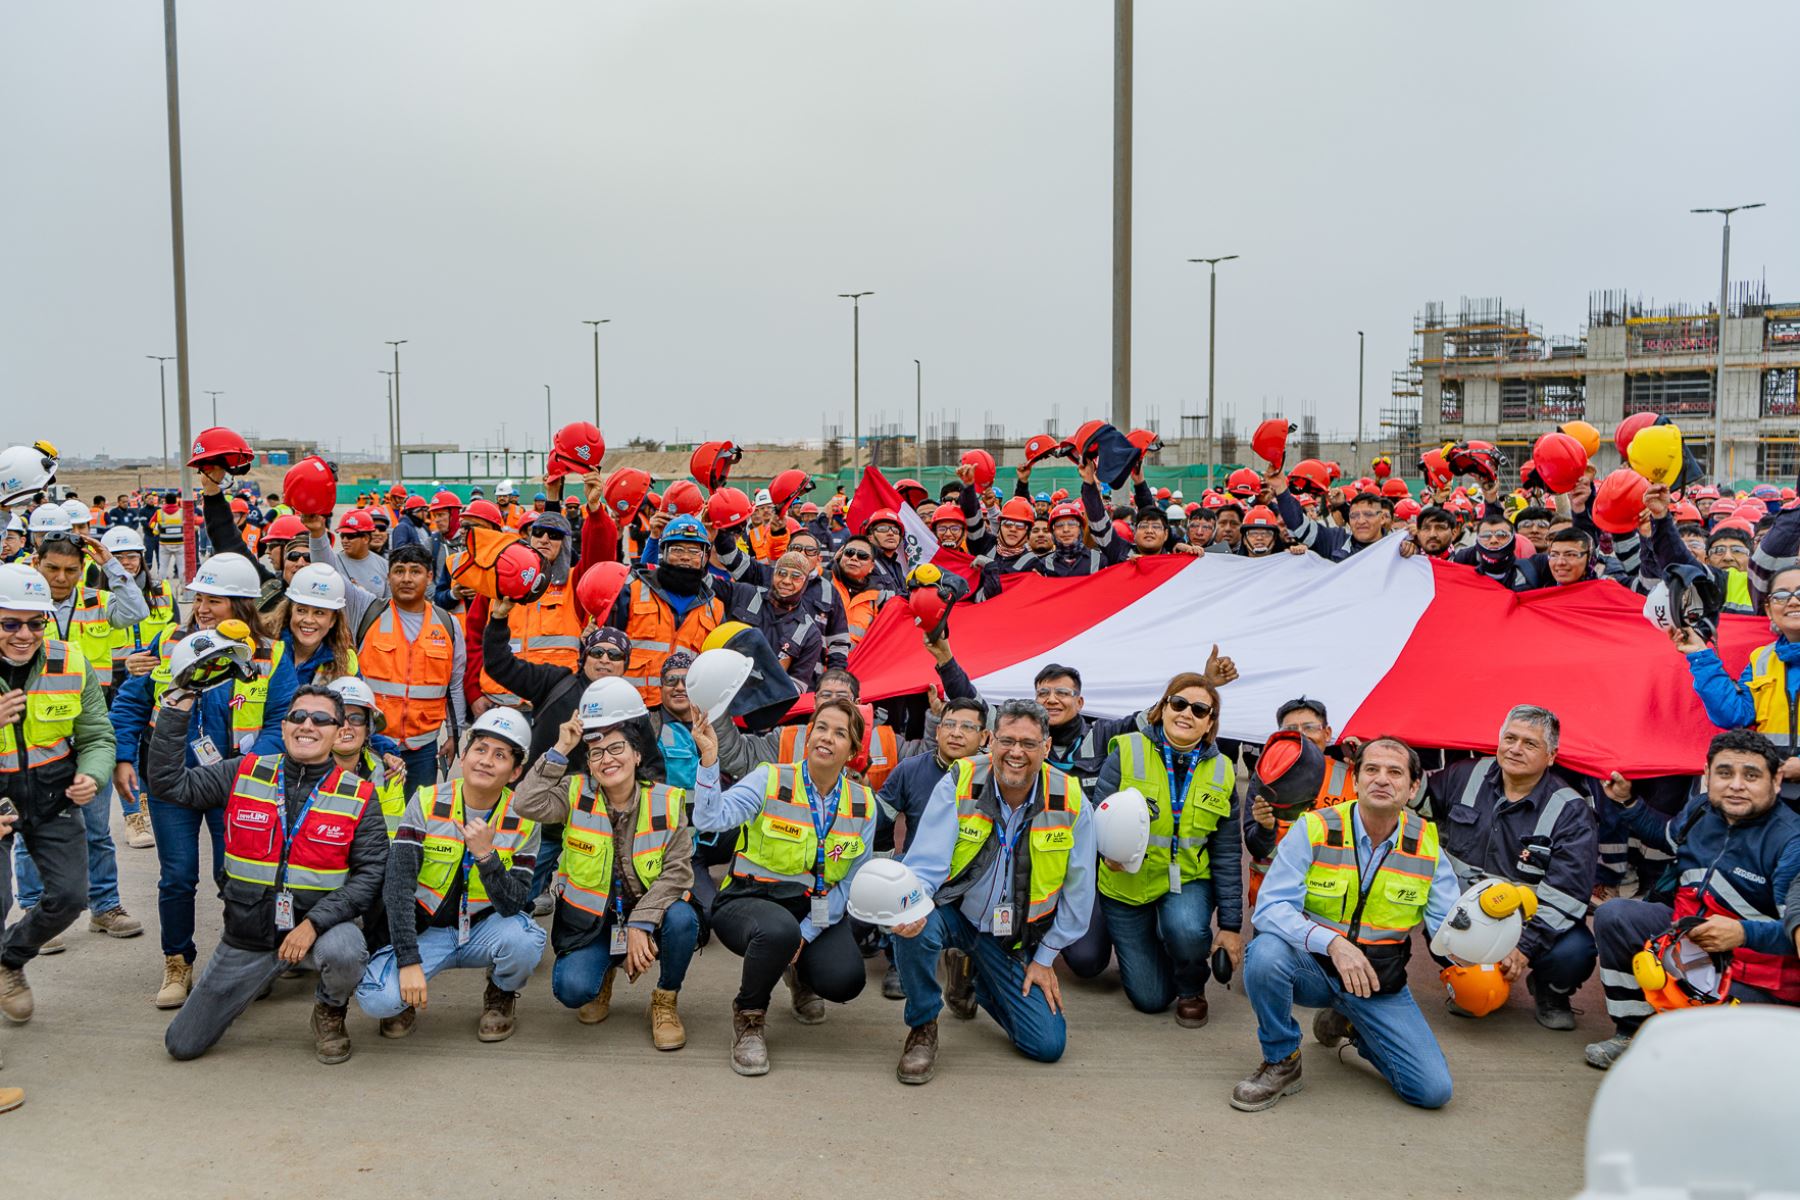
x: 599, y: 586
x: 1619, y: 501
x: 1586, y: 434
x: 240, y: 507
x: 1270, y: 440
x: 727, y: 508
x: 1040, y: 446
x: 684, y: 498
x: 1395, y: 489
x: 1309, y: 476
x: 1477, y: 990
x: 1147, y: 441
x: 1018, y: 509
x: 983, y: 462
x: 1559, y: 459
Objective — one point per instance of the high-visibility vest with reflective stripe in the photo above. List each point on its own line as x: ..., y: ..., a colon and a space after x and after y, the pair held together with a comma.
x: 411, y: 680
x: 1396, y: 897
x: 545, y: 631
x: 1040, y: 859
x: 589, y: 847
x: 390, y: 790
x: 780, y: 844
x: 133, y: 638
x: 443, y: 846
x: 859, y: 610
x: 651, y: 626
x: 89, y: 628
x: 318, y: 858
x: 879, y: 755
x: 1207, y: 803
x: 1339, y: 786
x: 1768, y: 691
x: 52, y: 702
x: 248, y: 700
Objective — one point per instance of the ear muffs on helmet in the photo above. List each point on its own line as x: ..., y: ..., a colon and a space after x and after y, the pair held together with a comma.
x: 1503, y: 899
x: 1674, y: 973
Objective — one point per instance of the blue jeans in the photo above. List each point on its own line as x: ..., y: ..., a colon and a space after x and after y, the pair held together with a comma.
x: 177, y: 832
x: 1389, y: 1031
x: 508, y: 948
x: 578, y: 975
x: 1036, y: 1032
x: 421, y: 767
x: 1162, y: 946
x: 102, y: 859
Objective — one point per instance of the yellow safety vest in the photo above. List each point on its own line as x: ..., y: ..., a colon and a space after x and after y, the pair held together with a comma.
x: 52, y: 702
x: 443, y: 847
x: 780, y: 845
x: 1396, y: 897
x: 1207, y: 803
x: 590, y: 848
x: 390, y: 792
x: 1041, y: 858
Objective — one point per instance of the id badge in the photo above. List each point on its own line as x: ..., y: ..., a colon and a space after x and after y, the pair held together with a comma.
x: 818, y: 910
x: 284, y: 910
x: 462, y: 926
x: 619, y: 944
x: 1003, y: 920
x: 206, y: 753
x: 1174, y: 876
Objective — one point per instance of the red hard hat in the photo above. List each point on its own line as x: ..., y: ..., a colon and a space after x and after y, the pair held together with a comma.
x: 1147, y: 441
x: 1788, y: 493
x: 877, y: 517
x: 484, y: 510
x: 310, y: 487
x: 1480, y: 459
x: 414, y: 504
x: 624, y: 493
x: 1620, y: 500
x: 1059, y: 495
x: 1365, y: 484
x: 396, y: 491
x: 1270, y: 441
x: 1559, y: 461
x: 577, y: 449
x: 241, y: 507
x: 444, y: 500
x: 599, y: 586
x: 222, y: 447
x: 1685, y: 513
x: 1334, y: 471
x: 983, y: 462
x: 1077, y: 442
x: 1407, y: 509
x: 1395, y: 489
x: 1066, y: 512
x: 1734, y: 521
x: 788, y: 487
x: 1041, y: 446
x: 653, y: 501
x: 1382, y: 467
x: 792, y: 525
x: 1194, y: 508
x: 1436, y: 467
x: 683, y: 498
x: 711, y: 462
x: 1261, y: 517
x: 1309, y: 476
x: 727, y: 508
x: 948, y: 513
x: 809, y: 509
x: 1244, y: 483
x: 929, y: 606
x: 1123, y: 529
x: 1162, y: 495
x: 1018, y: 509
x: 1752, y: 509
x: 519, y: 573
x: 356, y: 521
x: 912, y: 491
x: 1628, y: 429
x: 284, y: 528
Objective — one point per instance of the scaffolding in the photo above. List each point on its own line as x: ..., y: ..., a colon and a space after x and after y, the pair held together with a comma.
x: 1400, y: 420
x: 1482, y: 331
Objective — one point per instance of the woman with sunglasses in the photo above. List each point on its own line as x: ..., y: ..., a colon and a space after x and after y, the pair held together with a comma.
x: 244, y: 718
x: 1158, y: 919
x: 626, y: 864
x: 858, y: 590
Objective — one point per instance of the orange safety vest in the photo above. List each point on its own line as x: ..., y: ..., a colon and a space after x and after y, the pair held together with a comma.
x: 252, y: 536
x: 548, y: 630
x: 411, y: 680
x: 516, y: 516
x: 859, y: 613
x: 879, y: 755
x: 1339, y: 787
x: 651, y: 627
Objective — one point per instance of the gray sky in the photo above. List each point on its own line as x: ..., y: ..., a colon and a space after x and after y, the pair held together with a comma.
x: 478, y: 178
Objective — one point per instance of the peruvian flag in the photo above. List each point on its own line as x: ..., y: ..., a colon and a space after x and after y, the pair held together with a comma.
x: 1426, y: 651
x: 917, y: 545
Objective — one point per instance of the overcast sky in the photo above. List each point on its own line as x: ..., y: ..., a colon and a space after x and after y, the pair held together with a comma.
x: 479, y: 178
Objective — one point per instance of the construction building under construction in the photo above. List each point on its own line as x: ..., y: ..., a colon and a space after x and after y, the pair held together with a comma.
x: 1487, y: 372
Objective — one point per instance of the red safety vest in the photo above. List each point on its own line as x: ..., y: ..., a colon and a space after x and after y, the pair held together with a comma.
x: 319, y: 855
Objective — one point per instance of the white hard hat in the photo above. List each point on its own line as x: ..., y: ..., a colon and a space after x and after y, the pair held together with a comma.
x: 123, y: 539
x: 1175, y: 512
x: 506, y: 488
x: 209, y: 657
x: 79, y: 513
x: 609, y: 701
x: 885, y: 892
x: 357, y: 694
x: 1485, y: 922
x: 49, y: 518
x: 22, y: 589
x: 25, y: 470
x: 763, y: 497
x: 715, y: 678
x: 318, y: 585
x: 508, y: 724
x: 1659, y: 609
x: 1122, y: 828
x: 227, y: 575
x: 1175, y: 495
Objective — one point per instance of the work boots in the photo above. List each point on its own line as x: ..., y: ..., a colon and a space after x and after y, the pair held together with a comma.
x: 331, y: 1041
x: 1268, y: 1084
x: 1553, y: 1008
x: 11, y: 1098
x: 600, y: 1007
x: 497, y: 1017
x: 918, y: 1058
x: 1604, y: 1054
x: 1190, y: 1011
x: 957, y: 978
x: 749, y: 1048
x: 1331, y: 1028
x: 55, y: 945
x: 15, y: 995
x: 115, y: 922
x: 400, y: 1024
x: 137, y: 831
x: 891, y: 987
x: 178, y: 980
x: 666, y: 1030
x: 809, y: 1009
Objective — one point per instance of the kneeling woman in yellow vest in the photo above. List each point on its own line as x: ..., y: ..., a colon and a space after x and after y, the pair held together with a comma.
x: 1158, y: 919
x: 806, y: 829
x: 459, y: 885
x: 627, y: 868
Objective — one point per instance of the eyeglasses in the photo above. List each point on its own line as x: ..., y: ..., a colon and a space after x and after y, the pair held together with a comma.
x: 1062, y: 693
x: 356, y: 718
x: 609, y: 653
x: 855, y: 555
x: 1534, y: 524
x: 821, y: 697
x: 1568, y: 556
x: 672, y: 682
x: 317, y: 717
x: 39, y: 624
x: 1200, y: 708
x: 1730, y: 551
x: 555, y: 535
x: 1494, y: 535
x: 960, y: 726
x: 1013, y: 743
x: 612, y: 750
x: 808, y: 551
x: 1784, y: 596
x: 789, y: 573
x: 1308, y: 727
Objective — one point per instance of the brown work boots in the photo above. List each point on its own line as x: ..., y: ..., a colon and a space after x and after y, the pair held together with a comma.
x: 498, y: 1016
x: 666, y: 1030
x: 809, y: 1008
x: 918, y: 1058
x: 1268, y: 1084
x: 331, y: 1041
x: 749, y: 1047
x: 600, y: 1007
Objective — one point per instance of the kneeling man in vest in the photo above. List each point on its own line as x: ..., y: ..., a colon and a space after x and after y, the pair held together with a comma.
x: 305, y: 847
x: 458, y: 890
x: 1007, y: 846
x: 1334, y: 924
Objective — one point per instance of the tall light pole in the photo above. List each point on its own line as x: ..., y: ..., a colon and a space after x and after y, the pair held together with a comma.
x: 1212, y: 335
x: 178, y: 253
x: 396, y: 346
x: 215, y: 405
x: 1121, y: 246
x: 390, y: 413
x: 549, y: 427
x: 919, y: 413
x: 1359, y: 397
x: 855, y: 299
x: 597, y: 325
x: 1724, y: 286
x: 162, y: 380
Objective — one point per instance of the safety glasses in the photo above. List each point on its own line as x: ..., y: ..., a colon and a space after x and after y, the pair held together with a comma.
x: 35, y: 624
x: 312, y: 715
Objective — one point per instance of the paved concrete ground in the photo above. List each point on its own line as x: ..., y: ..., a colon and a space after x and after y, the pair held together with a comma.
x: 1138, y: 1106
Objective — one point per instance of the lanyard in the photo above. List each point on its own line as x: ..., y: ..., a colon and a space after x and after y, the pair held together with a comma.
x: 1008, y: 836
x: 822, y: 819
x: 1178, y: 790
x: 289, y: 829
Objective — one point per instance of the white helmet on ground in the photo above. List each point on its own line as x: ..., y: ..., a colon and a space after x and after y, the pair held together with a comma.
x: 1485, y: 922
x: 25, y: 470
x: 885, y: 892
x: 355, y: 693
x: 23, y: 589
x: 715, y: 678
x: 608, y: 702
x: 318, y: 585
x: 1122, y: 829
x: 123, y: 539
x: 49, y: 518
x: 79, y: 513
x: 227, y: 575
x: 507, y: 724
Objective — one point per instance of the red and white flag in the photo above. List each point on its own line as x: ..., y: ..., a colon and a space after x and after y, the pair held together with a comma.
x: 1429, y: 652
x: 875, y: 493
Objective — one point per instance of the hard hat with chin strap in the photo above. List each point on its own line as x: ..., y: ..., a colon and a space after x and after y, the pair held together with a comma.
x: 608, y: 702
x: 508, y: 724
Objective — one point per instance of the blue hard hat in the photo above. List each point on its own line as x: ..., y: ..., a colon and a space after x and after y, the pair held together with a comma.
x: 1042, y: 497
x: 540, y: 496
x: 684, y: 529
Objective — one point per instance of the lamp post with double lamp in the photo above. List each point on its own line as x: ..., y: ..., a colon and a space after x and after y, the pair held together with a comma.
x: 397, y: 438
x: 1212, y: 337
x: 596, y: 326
x: 855, y: 299
x: 1712, y: 457
x: 215, y: 406
x: 162, y: 378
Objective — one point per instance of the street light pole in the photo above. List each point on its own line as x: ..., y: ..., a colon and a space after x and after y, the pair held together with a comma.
x: 549, y: 427
x: 390, y: 410
x: 178, y: 252
x: 1359, y: 396
x: 855, y: 299
x: 396, y: 346
x: 1724, y: 287
x: 1121, y: 245
x: 215, y: 405
x: 1212, y: 332
x: 919, y: 414
x: 597, y: 325
x: 162, y: 383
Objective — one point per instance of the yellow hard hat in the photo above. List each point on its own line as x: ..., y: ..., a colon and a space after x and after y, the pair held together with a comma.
x: 722, y: 635
x: 1655, y: 453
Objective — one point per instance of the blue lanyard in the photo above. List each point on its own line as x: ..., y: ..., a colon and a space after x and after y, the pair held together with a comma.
x: 1178, y: 791
x: 288, y: 830
x: 822, y: 819
x: 1007, y: 837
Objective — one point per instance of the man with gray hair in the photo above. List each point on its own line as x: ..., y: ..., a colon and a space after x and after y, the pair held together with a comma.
x: 1513, y: 817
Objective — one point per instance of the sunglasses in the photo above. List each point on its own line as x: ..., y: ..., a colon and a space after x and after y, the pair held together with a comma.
x: 35, y: 624
x: 672, y: 682
x: 348, y: 536
x: 1200, y: 708
x: 356, y: 718
x: 1784, y: 596
x: 609, y: 653
x: 298, y: 556
x: 855, y: 555
x: 555, y: 535
x: 313, y: 715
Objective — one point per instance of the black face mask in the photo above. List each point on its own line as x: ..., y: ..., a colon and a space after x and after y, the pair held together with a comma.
x: 679, y: 581
x: 1495, y: 561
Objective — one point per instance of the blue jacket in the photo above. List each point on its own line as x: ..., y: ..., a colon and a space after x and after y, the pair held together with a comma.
x: 407, y: 532
x: 1728, y: 704
x: 132, y: 713
x: 1751, y: 864
x: 905, y: 793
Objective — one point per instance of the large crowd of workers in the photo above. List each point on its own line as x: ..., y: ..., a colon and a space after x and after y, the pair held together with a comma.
x: 405, y: 773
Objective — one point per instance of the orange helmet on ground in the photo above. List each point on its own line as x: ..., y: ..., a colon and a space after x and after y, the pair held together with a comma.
x: 1478, y: 990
